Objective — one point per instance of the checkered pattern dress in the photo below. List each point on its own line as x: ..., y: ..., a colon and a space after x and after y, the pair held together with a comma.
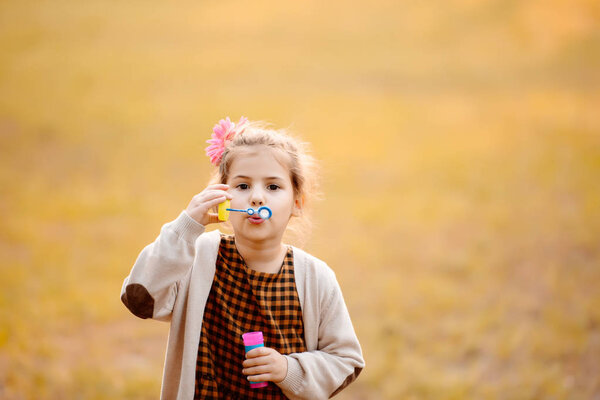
x: 243, y: 300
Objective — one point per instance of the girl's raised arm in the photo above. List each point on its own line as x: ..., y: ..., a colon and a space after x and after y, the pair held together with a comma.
x: 151, y: 288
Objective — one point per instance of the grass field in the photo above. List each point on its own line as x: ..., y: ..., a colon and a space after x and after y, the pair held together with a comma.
x: 460, y: 150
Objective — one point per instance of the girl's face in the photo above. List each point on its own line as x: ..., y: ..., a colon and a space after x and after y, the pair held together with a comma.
x: 258, y: 178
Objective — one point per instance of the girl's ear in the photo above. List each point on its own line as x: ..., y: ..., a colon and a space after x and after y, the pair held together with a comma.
x: 298, y: 204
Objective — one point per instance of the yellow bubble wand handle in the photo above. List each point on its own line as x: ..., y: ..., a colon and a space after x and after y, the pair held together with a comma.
x: 223, y: 210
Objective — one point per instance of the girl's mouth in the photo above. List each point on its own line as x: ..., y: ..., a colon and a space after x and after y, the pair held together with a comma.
x: 255, y: 219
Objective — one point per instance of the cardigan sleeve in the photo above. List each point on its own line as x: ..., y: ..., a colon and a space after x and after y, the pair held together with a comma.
x: 322, y: 373
x: 151, y: 288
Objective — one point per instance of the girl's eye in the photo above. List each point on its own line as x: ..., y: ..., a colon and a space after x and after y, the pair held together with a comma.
x: 243, y: 186
x: 272, y: 186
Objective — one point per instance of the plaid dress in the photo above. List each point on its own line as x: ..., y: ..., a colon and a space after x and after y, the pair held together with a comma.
x: 243, y: 300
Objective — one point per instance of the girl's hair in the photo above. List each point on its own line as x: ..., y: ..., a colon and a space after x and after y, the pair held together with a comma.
x: 301, y: 165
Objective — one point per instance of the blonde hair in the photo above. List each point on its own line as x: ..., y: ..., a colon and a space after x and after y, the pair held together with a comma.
x: 302, y: 167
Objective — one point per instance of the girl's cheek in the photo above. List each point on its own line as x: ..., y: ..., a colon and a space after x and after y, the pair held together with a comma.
x: 238, y: 199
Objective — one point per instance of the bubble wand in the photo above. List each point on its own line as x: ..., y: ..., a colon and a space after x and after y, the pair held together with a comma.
x: 263, y: 212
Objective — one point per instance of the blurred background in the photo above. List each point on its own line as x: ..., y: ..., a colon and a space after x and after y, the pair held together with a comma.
x: 460, y: 156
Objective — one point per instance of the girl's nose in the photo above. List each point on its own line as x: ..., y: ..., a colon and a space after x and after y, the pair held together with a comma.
x: 257, y: 198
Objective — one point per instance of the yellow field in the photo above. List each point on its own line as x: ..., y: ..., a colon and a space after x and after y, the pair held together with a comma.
x: 460, y: 150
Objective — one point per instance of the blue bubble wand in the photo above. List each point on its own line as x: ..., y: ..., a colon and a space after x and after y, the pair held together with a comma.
x: 264, y: 212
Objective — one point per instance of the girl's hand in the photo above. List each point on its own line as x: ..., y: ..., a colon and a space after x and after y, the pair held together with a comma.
x: 265, y: 364
x: 201, y: 203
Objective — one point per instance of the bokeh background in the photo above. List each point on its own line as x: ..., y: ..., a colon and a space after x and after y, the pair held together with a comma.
x: 460, y: 160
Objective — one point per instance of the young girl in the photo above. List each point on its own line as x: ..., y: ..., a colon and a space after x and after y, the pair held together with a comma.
x: 214, y: 287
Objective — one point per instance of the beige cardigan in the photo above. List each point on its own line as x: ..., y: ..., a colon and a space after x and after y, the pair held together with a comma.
x: 171, y: 280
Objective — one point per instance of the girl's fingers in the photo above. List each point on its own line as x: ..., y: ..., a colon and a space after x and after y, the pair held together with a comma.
x: 209, y: 195
x: 214, y: 202
x: 211, y: 204
x: 260, y: 378
x: 261, y: 369
x: 221, y: 186
x: 258, y: 352
x: 213, y: 218
x: 214, y: 189
x: 201, y: 204
x: 254, y: 361
x: 262, y: 364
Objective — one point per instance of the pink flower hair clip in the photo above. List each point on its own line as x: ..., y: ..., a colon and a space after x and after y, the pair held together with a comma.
x: 223, y: 134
